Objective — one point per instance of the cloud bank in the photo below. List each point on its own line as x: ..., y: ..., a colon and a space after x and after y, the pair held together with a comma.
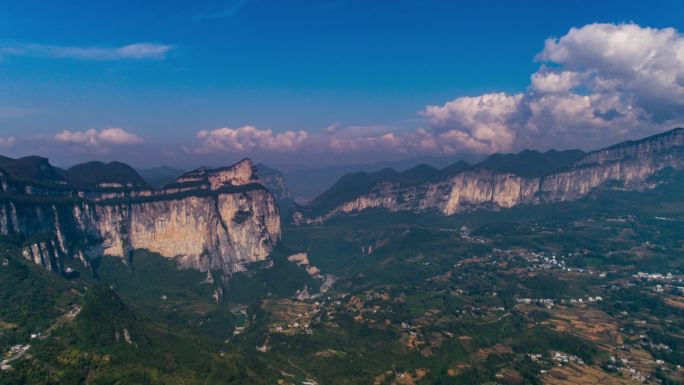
x: 136, y: 51
x: 596, y: 85
x: 98, y: 138
x: 346, y: 140
x: 248, y: 138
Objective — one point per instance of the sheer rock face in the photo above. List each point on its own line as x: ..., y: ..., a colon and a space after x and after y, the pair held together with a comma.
x: 43, y: 253
x: 219, y: 220
x: 627, y: 165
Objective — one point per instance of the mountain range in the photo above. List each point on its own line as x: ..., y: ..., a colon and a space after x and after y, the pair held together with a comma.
x: 223, y: 218
x: 502, y: 181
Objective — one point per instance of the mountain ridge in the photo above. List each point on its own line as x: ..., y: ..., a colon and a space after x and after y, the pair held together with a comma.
x: 497, y: 182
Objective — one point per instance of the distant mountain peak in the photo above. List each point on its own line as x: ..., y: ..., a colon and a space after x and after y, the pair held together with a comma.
x: 240, y: 173
x: 99, y: 174
x: 531, y: 163
x: 31, y: 169
x: 161, y: 175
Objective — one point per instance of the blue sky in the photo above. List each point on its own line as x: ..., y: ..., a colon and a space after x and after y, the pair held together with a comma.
x: 284, y: 66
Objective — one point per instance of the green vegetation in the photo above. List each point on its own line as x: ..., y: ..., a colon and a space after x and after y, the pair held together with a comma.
x: 31, y: 298
x: 483, y: 297
x: 282, y: 279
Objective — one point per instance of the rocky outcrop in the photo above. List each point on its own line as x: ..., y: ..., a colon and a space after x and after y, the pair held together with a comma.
x: 628, y: 165
x: 302, y: 260
x: 239, y: 174
x: 209, y: 219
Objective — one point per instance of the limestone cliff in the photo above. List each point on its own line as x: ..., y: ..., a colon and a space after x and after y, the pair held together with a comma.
x: 209, y: 219
x: 628, y: 165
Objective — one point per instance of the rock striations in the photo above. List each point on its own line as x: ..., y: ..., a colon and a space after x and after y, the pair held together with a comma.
x: 208, y: 219
x: 628, y: 165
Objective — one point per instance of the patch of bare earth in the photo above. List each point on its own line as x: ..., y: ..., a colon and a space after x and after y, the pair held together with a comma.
x: 583, y: 375
x: 586, y: 322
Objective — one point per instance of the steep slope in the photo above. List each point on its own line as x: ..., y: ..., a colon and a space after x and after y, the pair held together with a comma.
x: 357, y: 184
x: 215, y: 219
x: 503, y: 181
x: 306, y: 184
x: 348, y: 188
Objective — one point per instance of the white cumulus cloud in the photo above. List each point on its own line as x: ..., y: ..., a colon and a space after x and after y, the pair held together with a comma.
x: 555, y: 81
x: 481, y: 123
x: 597, y: 84
x: 247, y: 138
x: 99, y: 138
x: 334, y: 139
